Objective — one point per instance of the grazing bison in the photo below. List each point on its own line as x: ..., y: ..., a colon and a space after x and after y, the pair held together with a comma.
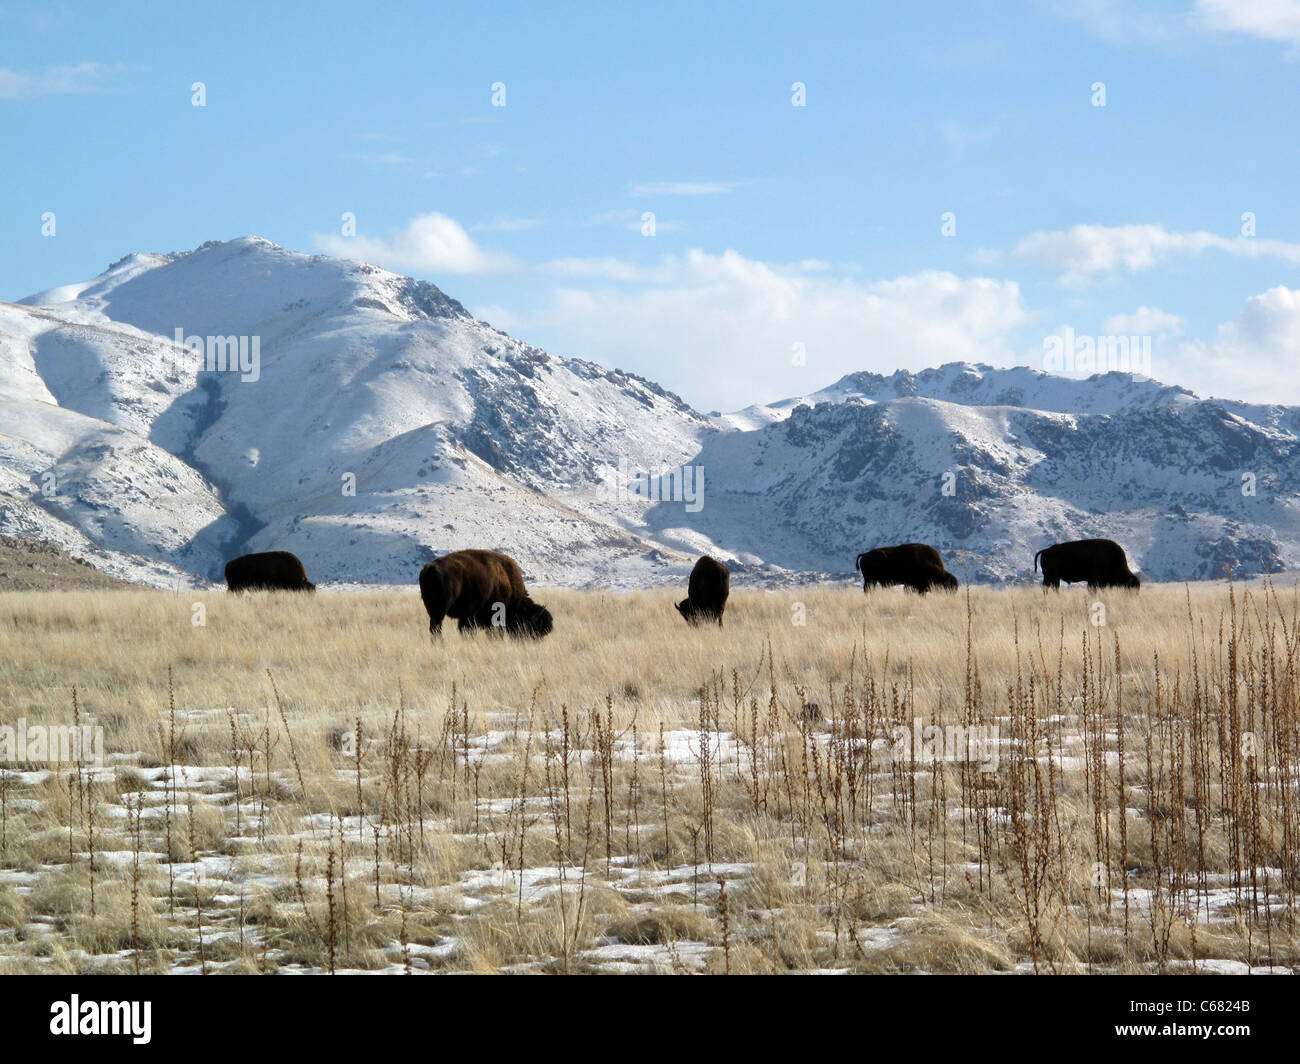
x: 706, y: 594
x: 917, y: 565
x: 1100, y: 562
x: 272, y: 570
x: 481, y: 589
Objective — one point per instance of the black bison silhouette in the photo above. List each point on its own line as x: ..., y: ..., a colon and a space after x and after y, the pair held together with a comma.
x: 917, y: 565
x: 272, y: 570
x: 1100, y: 562
x: 706, y: 594
x: 481, y: 589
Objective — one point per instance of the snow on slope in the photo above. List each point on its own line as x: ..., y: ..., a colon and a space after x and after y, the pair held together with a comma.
x: 1163, y: 479
x: 108, y: 495
x: 384, y: 425
x: 971, y: 384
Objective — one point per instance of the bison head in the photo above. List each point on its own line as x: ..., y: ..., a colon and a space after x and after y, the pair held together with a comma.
x: 531, y: 620
x: 690, y: 611
x: 1132, y: 581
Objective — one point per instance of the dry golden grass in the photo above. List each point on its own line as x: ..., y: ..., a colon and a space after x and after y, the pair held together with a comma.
x: 510, y: 805
x: 338, y: 652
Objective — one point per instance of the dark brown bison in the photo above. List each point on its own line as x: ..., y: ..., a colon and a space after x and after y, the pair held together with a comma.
x: 272, y: 570
x: 481, y: 589
x: 1100, y: 562
x: 917, y: 565
x: 706, y: 594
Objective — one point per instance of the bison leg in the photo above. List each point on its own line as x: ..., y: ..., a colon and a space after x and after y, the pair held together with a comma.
x: 436, y: 599
x: 473, y: 621
x: 493, y: 616
x: 437, y: 611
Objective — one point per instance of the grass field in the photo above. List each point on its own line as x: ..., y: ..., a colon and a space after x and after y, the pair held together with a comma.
x: 310, y: 783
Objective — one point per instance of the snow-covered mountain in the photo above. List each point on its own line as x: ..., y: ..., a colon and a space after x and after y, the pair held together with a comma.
x: 373, y: 423
x: 1193, y: 489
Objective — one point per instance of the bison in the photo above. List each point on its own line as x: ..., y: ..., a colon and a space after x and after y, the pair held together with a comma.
x: 272, y: 570
x: 481, y: 589
x: 917, y: 565
x: 706, y: 594
x: 1100, y: 562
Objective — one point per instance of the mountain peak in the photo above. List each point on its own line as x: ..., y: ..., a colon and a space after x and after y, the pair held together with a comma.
x: 375, y: 423
x: 247, y: 281
x: 979, y: 384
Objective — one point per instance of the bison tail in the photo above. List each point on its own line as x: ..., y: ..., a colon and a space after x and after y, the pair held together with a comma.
x: 1036, y: 559
x: 857, y: 564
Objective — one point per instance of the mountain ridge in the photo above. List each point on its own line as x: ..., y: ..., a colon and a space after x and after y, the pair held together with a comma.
x: 386, y: 425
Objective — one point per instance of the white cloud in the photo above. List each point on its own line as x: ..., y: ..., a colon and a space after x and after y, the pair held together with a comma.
x: 1122, y: 22
x: 620, y: 214
x: 1271, y: 20
x: 1252, y: 358
x: 1145, y: 321
x: 390, y: 158
x: 1255, y: 355
x: 681, y: 188
x: 962, y: 135
x: 498, y: 317
x: 430, y: 242
x: 606, y: 269
x: 55, y: 81
x: 630, y: 218
x: 506, y: 225
x: 807, y: 266
x: 1088, y: 252
x: 722, y: 329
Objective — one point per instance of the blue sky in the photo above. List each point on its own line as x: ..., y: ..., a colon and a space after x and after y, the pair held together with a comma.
x: 778, y: 229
